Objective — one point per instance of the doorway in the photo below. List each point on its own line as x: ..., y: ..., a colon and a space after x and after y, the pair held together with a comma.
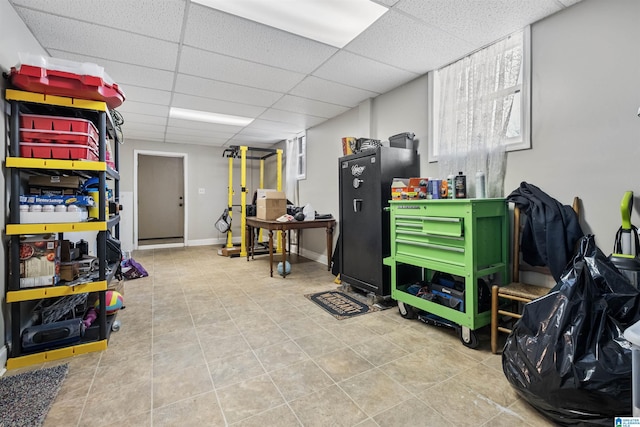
x: 160, y: 193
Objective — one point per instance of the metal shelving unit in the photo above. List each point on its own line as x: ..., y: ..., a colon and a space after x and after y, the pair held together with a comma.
x: 15, y: 166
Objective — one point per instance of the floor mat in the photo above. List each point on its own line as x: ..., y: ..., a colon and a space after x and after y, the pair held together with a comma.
x: 25, y: 398
x: 340, y: 305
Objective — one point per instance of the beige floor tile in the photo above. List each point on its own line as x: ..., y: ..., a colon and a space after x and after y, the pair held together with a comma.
x: 278, y: 356
x: 106, y: 408
x: 203, y: 330
x: 234, y: 369
x: 342, y: 364
x: 282, y: 416
x: 174, y: 340
x: 248, y: 398
x: 460, y: 404
x: 379, y: 351
x: 195, y: 411
x: 175, y: 385
x: 65, y: 413
x: 327, y: 407
x: 411, y: 412
x: 109, y: 379
x: 300, y: 379
x: 374, y: 392
x: 181, y: 358
x: 264, y: 336
x: 319, y: 343
x: 216, y: 349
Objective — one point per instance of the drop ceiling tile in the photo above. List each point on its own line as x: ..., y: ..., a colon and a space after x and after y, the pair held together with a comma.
x: 143, y: 118
x: 215, y: 106
x: 568, y: 3
x: 124, y: 74
x: 254, y: 141
x: 404, y: 42
x: 213, y: 127
x: 332, y: 92
x: 207, y: 143
x: 297, y: 104
x: 130, y: 106
x: 479, y: 23
x: 191, y: 139
x: 198, y: 86
x: 143, y: 127
x: 216, y: 31
x: 360, y: 72
x: 161, y: 19
x: 143, y: 134
x: 387, y: 3
x: 60, y: 33
x: 173, y: 130
x: 301, y: 120
x: 151, y: 96
x: 209, y: 65
x: 275, y: 126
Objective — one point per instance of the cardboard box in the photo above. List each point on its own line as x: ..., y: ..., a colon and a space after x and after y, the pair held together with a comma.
x: 54, y: 181
x: 39, y: 261
x: 272, y: 205
x: 69, y: 271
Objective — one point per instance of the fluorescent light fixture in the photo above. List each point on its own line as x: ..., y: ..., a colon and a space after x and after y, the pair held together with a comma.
x: 205, y: 116
x: 334, y: 22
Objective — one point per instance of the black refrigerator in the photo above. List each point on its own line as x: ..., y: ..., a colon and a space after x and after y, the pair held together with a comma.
x: 365, y: 189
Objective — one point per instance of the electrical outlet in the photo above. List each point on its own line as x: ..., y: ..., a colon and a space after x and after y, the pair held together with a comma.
x: 200, y: 190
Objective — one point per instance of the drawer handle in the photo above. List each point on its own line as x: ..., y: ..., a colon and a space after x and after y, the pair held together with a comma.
x: 429, y: 218
x: 430, y: 245
x: 422, y: 234
x: 408, y: 224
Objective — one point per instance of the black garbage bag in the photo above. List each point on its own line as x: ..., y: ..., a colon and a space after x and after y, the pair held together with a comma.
x: 567, y: 355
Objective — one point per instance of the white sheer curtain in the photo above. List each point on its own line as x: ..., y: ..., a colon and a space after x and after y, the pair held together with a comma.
x: 476, y: 95
x: 291, y: 177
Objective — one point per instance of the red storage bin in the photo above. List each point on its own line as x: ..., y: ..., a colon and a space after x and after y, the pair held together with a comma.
x: 58, y: 123
x: 56, y: 82
x: 58, y: 151
x: 57, y: 137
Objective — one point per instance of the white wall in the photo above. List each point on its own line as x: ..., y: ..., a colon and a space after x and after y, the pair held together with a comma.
x: 206, y: 168
x: 15, y: 38
x: 585, y: 129
x: 586, y: 94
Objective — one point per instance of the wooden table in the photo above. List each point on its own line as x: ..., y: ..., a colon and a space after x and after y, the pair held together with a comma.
x: 253, y: 223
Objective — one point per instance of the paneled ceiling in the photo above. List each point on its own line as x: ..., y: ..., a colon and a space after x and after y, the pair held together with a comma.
x: 165, y: 53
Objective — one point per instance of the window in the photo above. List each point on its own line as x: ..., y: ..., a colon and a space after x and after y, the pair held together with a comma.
x: 301, y: 156
x: 511, y: 91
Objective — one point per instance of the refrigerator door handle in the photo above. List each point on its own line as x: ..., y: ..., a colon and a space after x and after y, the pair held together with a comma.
x: 357, y: 205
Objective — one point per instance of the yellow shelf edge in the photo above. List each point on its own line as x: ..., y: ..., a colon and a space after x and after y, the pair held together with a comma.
x: 60, y: 101
x: 78, y: 165
x: 57, y: 354
x: 54, y: 291
x: 64, y: 227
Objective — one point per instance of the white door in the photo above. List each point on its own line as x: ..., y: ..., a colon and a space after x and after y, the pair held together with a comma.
x: 160, y: 198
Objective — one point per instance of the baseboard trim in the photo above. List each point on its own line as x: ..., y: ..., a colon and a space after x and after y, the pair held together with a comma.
x: 3, y: 359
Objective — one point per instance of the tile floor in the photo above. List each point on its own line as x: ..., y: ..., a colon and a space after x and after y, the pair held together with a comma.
x: 213, y: 341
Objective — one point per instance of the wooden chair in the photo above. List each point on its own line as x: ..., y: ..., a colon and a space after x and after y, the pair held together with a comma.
x: 516, y: 292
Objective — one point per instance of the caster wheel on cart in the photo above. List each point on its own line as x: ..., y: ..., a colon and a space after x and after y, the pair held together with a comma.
x: 406, y: 311
x: 468, y: 337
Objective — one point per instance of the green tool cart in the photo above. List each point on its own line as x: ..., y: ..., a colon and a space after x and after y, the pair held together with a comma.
x: 468, y: 238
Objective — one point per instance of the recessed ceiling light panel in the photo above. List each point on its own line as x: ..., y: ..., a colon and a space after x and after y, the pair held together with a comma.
x: 205, y: 116
x: 334, y: 22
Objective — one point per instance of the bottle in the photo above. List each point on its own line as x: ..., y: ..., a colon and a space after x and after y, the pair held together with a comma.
x: 460, y: 184
x: 450, y: 189
x: 481, y: 185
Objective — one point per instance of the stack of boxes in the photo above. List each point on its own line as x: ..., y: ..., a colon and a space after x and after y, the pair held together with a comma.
x: 420, y: 189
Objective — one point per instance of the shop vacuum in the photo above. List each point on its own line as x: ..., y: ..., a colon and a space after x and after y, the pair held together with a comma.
x: 626, y: 248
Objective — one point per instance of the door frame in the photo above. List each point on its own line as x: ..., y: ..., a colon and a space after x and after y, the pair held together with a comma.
x: 136, y: 154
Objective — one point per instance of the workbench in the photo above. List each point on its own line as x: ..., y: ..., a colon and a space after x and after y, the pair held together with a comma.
x: 253, y: 223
